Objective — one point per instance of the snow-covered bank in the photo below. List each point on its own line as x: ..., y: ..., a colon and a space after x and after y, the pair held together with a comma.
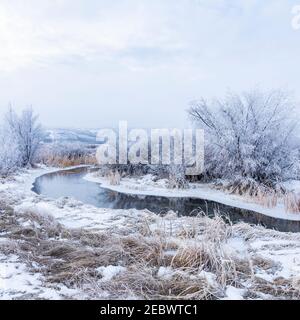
x: 79, y: 251
x: 23, y: 180
x: 68, y: 211
x: 147, y: 186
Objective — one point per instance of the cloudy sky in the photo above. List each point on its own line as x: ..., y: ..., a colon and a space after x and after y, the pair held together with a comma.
x: 91, y: 63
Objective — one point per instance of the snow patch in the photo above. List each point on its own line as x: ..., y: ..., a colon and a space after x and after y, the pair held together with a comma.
x: 16, y: 281
x: 165, y: 273
x: 108, y: 273
x: 233, y: 293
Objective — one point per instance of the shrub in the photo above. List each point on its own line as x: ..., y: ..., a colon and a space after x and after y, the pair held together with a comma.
x: 249, y: 136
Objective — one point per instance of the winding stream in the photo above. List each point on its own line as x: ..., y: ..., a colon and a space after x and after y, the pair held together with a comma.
x: 70, y: 183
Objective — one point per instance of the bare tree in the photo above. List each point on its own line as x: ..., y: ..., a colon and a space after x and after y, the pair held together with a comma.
x: 27, y: 132
x: 248, y: 135
x: 9, y: 153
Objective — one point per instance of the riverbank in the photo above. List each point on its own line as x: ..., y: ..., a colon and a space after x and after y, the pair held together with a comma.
x: 148, y: 185
x: 65, y: 249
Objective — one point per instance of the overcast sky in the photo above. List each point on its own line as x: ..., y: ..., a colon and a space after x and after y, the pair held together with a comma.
x: 91, y: 63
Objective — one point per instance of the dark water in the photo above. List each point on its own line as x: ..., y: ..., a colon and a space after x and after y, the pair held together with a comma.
x: 70, y: 183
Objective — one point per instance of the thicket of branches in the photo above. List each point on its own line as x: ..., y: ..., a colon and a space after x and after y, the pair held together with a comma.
x: 20, y: 138
x: 249, y: 136
x: 66, y: 154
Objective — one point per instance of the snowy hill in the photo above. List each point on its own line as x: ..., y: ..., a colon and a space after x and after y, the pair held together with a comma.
x: 71, y: 135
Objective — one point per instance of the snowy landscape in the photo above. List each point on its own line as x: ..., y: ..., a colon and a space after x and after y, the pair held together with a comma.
x: 64, y: 248
x: 74, y: 227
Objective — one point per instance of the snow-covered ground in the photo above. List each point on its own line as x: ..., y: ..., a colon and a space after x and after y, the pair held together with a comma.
x: 221, y: 261
x: 18, y: 281
x: 147, y: 185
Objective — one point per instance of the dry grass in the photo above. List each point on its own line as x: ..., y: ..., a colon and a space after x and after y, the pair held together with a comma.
x: 266, y: 198
x: 112, y: 175
x: 192, y: 249
x: 258, y: 193
x: 144, y: 282
x: 292, y: 202
x: 68, y: 161
x: 264, y: 195
x: 280, y: 288
x: 114, y: 178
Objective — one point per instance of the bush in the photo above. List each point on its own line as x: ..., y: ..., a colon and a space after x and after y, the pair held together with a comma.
x: 249, y: 136
x: 20, y: 138
x: 176, y: 179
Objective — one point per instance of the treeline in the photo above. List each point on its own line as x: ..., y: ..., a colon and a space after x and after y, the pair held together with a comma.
x: 250, y: 140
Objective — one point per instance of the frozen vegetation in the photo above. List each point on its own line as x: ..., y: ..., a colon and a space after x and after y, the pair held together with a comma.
x: 20, y: 137
x: 58, y: 249
x: 250, y: 138
x: 65, y: 249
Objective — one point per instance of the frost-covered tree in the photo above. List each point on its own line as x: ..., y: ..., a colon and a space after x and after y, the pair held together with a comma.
x: 27, y: 133
x: 9, y: 152
x: 249, y: 136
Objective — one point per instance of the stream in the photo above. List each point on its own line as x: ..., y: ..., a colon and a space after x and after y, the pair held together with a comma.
x: 70, y: 183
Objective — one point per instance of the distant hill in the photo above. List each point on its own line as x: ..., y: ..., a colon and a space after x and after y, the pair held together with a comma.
x: 71, y: 135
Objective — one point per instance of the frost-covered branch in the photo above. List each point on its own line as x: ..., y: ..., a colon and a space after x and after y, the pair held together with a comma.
x: 20, y: 138
x: 249, y: 135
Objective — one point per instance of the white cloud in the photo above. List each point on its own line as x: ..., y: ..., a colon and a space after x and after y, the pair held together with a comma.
x: 33, y: 35
x: 62, y: 55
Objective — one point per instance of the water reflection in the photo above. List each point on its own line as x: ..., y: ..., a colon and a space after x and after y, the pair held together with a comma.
x: 70, y: 183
